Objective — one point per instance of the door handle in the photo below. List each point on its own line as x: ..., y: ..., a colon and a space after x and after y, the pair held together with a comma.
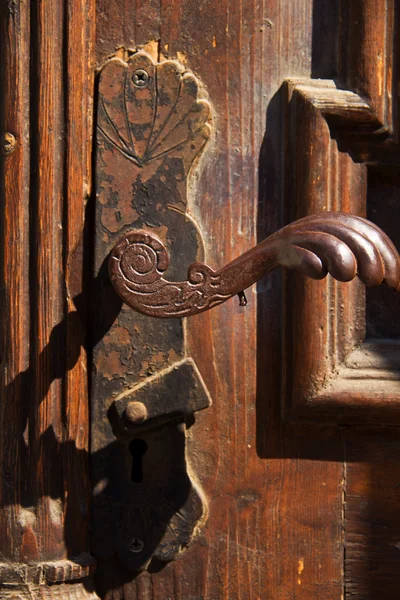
x: 344, y: 245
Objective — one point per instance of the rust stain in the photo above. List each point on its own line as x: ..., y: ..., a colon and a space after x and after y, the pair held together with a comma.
x: 117, y: 335
x: 109, y: 364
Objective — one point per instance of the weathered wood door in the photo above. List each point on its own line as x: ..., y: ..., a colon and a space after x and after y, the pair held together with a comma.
x: 287, y: 486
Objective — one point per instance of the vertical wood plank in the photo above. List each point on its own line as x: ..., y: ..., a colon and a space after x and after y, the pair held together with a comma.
x: 79, y: 118
x: 46, y: 105
x: 48, y: 301
x: 367, y: 53
x: 14, y: 290
x: 129, y: 23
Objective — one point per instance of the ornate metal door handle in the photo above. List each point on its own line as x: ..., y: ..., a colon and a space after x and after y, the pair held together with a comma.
x: 341, y: 244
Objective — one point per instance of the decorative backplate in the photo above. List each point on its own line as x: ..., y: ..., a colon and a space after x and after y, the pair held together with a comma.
x: 153, y: 120
x: 148, y: 110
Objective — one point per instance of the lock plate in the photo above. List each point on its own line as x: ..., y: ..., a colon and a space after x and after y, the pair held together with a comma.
x: 153, y: 120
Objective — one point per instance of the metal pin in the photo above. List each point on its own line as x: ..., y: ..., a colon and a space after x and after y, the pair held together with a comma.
x: 242, y: 299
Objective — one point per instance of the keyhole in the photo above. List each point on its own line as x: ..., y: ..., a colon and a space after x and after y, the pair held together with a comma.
x: 137, y: 448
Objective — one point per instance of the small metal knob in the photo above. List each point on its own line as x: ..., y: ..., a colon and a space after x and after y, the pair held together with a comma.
x: 136, y: 412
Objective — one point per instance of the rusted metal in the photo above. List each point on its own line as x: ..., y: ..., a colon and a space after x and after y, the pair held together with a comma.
x: 153, y: 120
x: 176, y: 392
x: 136, y: 412
x: 343, y: 245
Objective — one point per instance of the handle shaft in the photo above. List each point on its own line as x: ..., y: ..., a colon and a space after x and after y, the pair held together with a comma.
x: 343, y: 245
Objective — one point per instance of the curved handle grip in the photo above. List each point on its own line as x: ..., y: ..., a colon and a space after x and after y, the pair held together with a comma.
x: 343, y: 245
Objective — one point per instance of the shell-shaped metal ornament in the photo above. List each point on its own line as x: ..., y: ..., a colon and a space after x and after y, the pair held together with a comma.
x: 147, y: 109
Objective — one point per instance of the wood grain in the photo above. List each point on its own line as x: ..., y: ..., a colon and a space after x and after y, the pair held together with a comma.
x: 367, y: 53
x: 48, y: 90
x: 76, y: 256
x: 372, y: 513
x: 15, y: 118
x: 47, y: 296
x: 289, y: 505
x: 249, y: 548
x: 329, y: 318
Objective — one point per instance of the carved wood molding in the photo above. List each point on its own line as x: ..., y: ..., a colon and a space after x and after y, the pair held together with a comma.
x: 333, y: 376
x: 57, y: 571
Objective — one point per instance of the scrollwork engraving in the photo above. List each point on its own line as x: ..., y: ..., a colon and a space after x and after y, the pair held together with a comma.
x: 343, y: 245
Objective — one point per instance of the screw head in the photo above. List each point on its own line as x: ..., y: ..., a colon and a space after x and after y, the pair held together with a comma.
x: 136, y: 545
x: 141, y: 78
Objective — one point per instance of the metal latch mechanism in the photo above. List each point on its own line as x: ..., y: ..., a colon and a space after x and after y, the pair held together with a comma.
x: 176, y: 393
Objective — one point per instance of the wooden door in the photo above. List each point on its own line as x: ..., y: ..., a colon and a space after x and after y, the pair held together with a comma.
x: 284, y: 482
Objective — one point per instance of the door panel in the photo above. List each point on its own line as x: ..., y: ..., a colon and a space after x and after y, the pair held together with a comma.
x: 297, y: 478
x: 276, y: 491
x: 45, y: 183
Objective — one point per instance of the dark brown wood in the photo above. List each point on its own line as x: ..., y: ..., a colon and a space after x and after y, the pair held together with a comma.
x: 15, y: 342
x: 47, y: 80
x: 372, y: 513
x: 368, y: 54
x: 324, y: 121
x: 288, y: 510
